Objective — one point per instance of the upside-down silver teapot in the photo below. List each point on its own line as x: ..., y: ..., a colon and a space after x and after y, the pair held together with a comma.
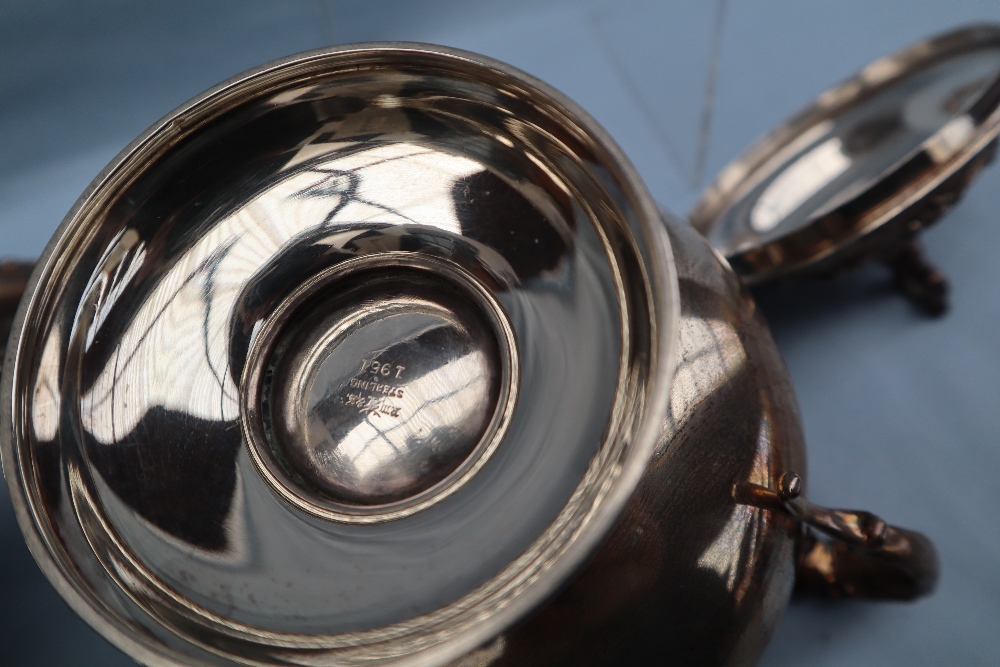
x: 384, y: 355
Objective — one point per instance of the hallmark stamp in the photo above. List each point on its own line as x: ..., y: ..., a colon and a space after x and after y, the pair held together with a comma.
x: 374, y: 380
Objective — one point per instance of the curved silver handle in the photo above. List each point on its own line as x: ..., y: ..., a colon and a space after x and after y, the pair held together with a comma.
x: 864, y: 556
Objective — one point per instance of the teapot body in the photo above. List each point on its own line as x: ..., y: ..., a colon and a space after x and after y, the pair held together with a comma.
x: 689, y: 574
x: 383, y: 355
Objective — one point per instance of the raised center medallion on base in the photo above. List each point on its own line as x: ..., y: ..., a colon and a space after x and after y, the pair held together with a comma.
x: 384, y: 394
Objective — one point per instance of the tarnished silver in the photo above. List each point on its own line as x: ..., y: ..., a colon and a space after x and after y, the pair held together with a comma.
x: 858, y: 174
x: 384, y: 355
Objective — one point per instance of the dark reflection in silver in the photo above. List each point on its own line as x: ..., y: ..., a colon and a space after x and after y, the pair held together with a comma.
x: 505, y: 254
x: 174, y: 368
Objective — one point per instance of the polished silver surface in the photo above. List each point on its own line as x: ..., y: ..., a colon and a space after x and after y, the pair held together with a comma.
x: 694, y: 574
x: 382, y: 355
x: 690, y: 576
x: 258, y: 249
x: 856, y: 175
x: 379, y: 392
x: 704, y: 557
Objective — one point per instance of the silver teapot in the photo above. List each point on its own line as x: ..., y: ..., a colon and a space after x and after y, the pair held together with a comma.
x: 384, y: 355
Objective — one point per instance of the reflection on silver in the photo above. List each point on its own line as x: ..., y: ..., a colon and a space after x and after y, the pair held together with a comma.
x: 952, y: 138
x: 390, y: 179
x: 45, y: 407
x: 888, y: 150
x: 185, y: 322
x: 713, y: 355
x: 723, y: 555
x: 385, y: 390
x: 735, y: 554
x: 799, y: 182
x: 368, y: 370
x: 927, y: 111
x: 502, y: 245
x: 453, y: 391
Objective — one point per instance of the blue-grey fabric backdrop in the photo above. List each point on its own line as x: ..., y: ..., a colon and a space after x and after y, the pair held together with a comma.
x: 902, y: 413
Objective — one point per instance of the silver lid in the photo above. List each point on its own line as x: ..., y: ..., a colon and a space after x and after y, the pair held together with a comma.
x: 859, y: 172
x: 356, y: 356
